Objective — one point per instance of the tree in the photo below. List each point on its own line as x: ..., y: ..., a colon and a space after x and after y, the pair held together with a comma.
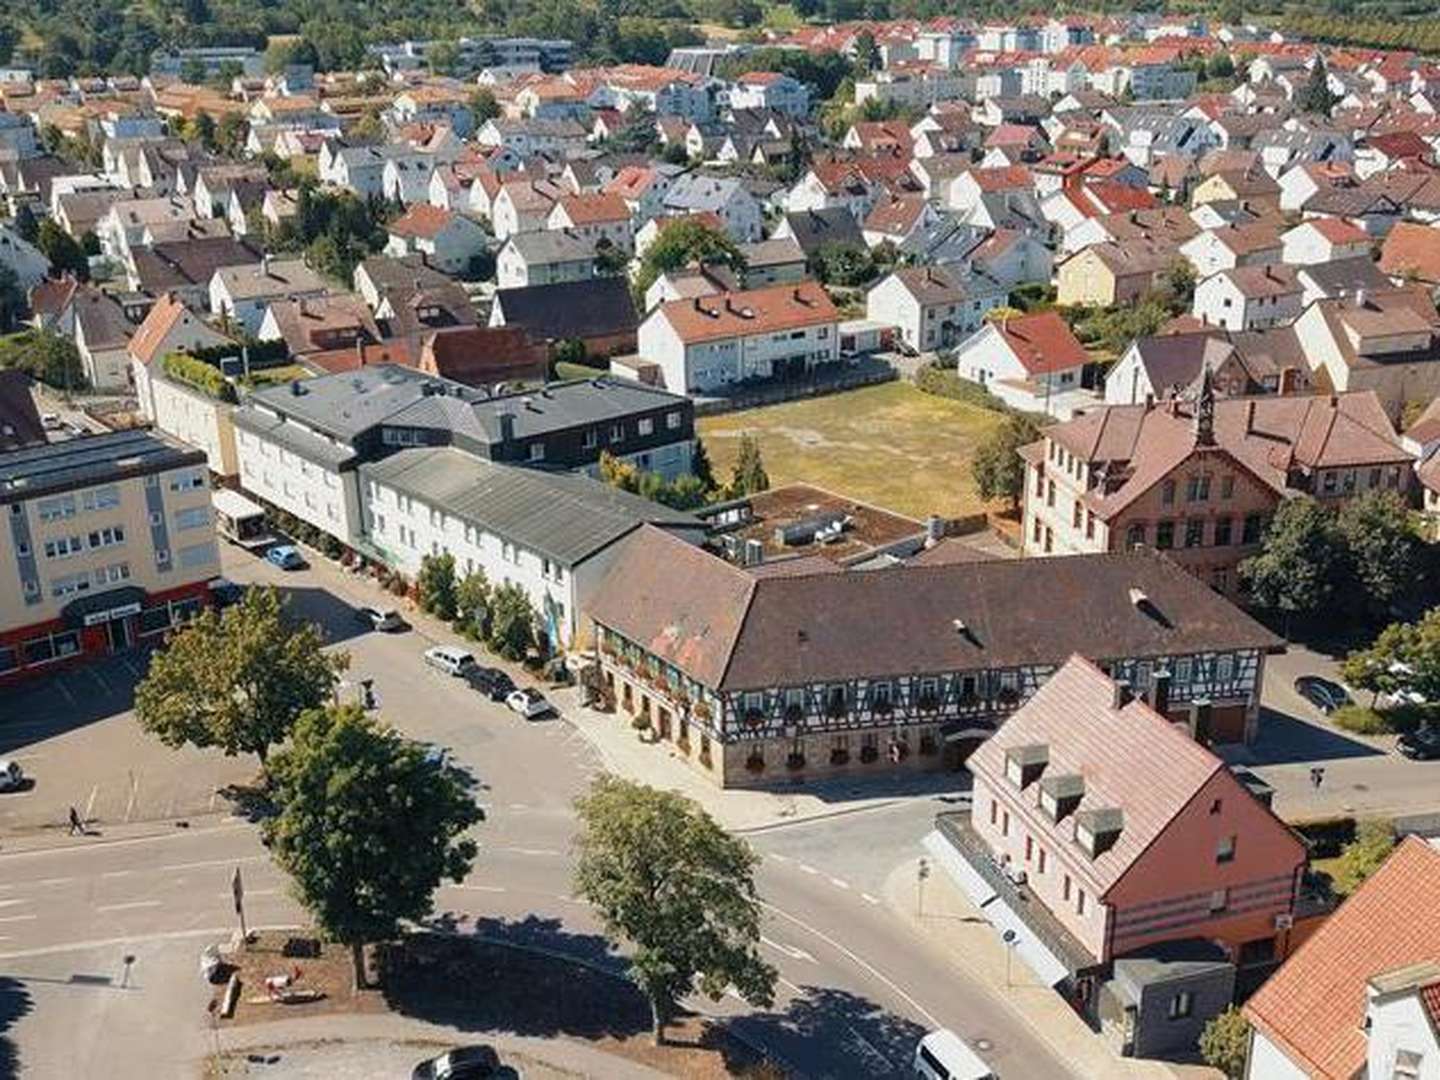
x: 1361, y: 857
x: 1380, y: 668
x: 472, y: 604
x: 46, y: 356
x: 436, y: 585
x: 839, y: 263
x: 867, y: 53
x: 1382, y: 550
x: 681, y: 243
x: 26, y: 226
x: 997, y: 468
x: 1294, y: 572
x: 1317, y: 97
x: 443, y: 57
x: 368, y: 828
x: 512, y: 622
x: 748, y: 476
x: 63, y: 250
x: 237, y: 680
x: 12, y: 300
x: 483, y: 105
x: 1225, y: 1042
x: 685, y: 492
x: 667, y: 880
x: 231, y: 133
x: 700, y: 465
x: 192, y: 71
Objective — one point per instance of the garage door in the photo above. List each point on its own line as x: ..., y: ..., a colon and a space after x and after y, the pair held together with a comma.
x: 1227, y: 724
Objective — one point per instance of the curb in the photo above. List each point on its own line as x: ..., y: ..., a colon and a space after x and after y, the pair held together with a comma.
x: 844, y: 811
x: 15, y: 845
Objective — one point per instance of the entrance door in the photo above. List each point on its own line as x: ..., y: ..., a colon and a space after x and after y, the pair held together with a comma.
x: 119, y: 631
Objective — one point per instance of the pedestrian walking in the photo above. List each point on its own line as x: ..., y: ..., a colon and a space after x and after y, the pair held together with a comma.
x: 76, y: 825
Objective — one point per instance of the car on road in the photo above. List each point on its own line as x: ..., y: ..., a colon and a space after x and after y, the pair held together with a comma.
x: 529, y: 703
x: 226, y: 593
x: 1421, y: 745
x: 1325, y: 694
x: 450, y: 659
x: 943, y: 1055
x: 386, y: 620
x: 11, y: 775
x: 463, y: 1063
x: 285, y: 556
x: 492, y: 682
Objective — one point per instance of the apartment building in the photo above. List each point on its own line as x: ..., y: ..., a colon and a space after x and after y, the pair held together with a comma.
x: 710, y: 342
x: 108, y: 540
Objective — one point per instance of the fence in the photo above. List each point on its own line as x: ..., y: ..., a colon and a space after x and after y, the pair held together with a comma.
x: 869, y: 373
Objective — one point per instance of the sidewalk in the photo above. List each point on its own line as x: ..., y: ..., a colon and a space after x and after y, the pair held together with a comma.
x: 51, y: 838
x: 741, y: 811
x: 953, y: 925
x: 345, y: 1035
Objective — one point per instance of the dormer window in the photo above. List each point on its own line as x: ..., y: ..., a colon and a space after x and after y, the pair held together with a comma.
x: 1061, y: 795
x: 1024, y: 764
x: 1096, y: 831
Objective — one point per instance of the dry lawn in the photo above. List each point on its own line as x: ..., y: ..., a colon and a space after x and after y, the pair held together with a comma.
x: 891, y: 445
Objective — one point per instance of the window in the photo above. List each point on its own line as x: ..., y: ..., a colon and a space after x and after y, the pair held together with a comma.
x: 1225, y: 848
x: 192, y: 517
x: 101, y: 498
x: 646, y: 426
x: 1198, y: 488
x: 617, y: 432
x: 1029, y: 847
x: 537, y: 451
x: 1005, y: 823
x: 109, y: 536
x: 1182, y: 670
x: 62, y: 547
x: 1224, y: 668
x: 1042, y: 862
x: 1080, y: 902
x: 1194, y: 532
x: 1180, y: 1005
x: 1165, y: 535
x: 1050, y: 493
x: 188, y: 480
x: 672, y: 421
x: 1222, y: 531
x: 994, y: 811
x: 1250, y: 533
x: 1065, y: 892
x: 162, y: 557
x: 1135, y: 536
x: 592, y: 440
x: 1219, y: 900
x: 108, y: 575
x: 1167, y: 492
x: 70, y: 584
x: 1215, y: 806
x: 1075, y: 513
x: 57, y: 509
x: 22, y: 548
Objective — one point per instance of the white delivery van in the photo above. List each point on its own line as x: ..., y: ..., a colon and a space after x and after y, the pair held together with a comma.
x: 943, y: 1055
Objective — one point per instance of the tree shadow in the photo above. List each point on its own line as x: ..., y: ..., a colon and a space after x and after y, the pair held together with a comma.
x: 71, y: 698
x: 832, y: 1032
x: 522, y: 977
x: 15, y: 1003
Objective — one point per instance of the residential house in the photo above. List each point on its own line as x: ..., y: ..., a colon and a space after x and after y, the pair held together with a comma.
x: 379, y: 275
x: 1236, y: 245
x: 770, y: 90
x: 1324, y: 240
x: 186, y: 267
x: 1361, y: 996
x: 1344, y: 277
x: 1164, y: 366
x: 312, y: 326
x: 1388, y: 342
x: 482, y: 356
x: 932, y: 307
x: 523, y: 204
x: 447, y: 240
x: 1199, y: 479
x: 27, y: 262
x: 544, y: 258
x: 102, y: 331
x: 561, y: 139
x: 596, y: 219
x: 1249, y: 298
x: 701, y: 345
x: 1033, y: 363
x: 598, y: 312
x: 726, y: 198
x: 241, y: 294
x: 1113, y: 272
x: 816, y: 229
x: 1411, y: 253
x: 902, y: 668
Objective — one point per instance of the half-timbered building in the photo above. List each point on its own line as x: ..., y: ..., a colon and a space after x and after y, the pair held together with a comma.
x: 773, y: 672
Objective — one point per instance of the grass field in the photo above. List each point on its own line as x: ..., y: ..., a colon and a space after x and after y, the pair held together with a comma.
x: 891, y: 445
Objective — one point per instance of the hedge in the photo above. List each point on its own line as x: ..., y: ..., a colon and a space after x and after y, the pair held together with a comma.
x: 200, y: 376
x: 263, y: 354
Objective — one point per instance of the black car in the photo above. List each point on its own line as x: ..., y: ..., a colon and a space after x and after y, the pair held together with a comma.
x: 1325, y: 695
x: 492, y: 682
x: 462, y: 1063
x: 1422, y: 745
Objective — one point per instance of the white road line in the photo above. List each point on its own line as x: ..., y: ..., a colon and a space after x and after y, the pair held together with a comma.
x: 808, y: 868
x: 129, y: 906
x: 868, y: 898
x: 787, y: 950
x: 839, y: 883
x: 18, y: 918
x: 539, y: 852
x: 518, y: 806
x: 209, y: 862
x: 478, y: 888
x: 55, y: 881
x: 117, y: 873
x: 12, y: 903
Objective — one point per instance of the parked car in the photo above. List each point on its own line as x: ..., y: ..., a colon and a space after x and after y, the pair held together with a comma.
x: 285, y: 556
x: 529, y: 703
x: 492, y: 682
x: 462, y: 1063
x: 386, y: 620
x: 1324, y: 694
x: 1421, y: 745
x: 943, y: 1055
x: 226, y: 593
x: 450, y: 659
x: 50, y: 421
x: 11, y: 775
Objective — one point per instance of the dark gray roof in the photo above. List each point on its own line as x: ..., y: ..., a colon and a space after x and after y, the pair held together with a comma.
x: 564, y: 516
x: 87, y: 461
x: 19, y: 418
x: 386, y: 272
x: 1344, y: 276
x: 344, y: 405
x: 813, y: 229
x: 551, y: 246
x: 599, y: 307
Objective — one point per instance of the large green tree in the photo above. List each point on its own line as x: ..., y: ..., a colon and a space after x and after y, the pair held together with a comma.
x: 1294, y: 572
x: 368, y: 826
x: 1382, y: 550
x: 1405, y: 657
x: 748, y: 475
x: 1316, y: 95
x: 997, y: 468
x: 238, y: 679
x: 1361, y: 857
x: 681, y: 243
x: 436, y: 585
x: 512, y: 622
x: 670, y: 883
x: 63, y: 250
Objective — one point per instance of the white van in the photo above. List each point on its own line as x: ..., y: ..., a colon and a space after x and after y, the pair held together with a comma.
x: 449, y: 659
x: 943, y: 1055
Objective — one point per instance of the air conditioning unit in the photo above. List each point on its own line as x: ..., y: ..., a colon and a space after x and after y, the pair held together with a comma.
x: 1016, y: 875
x: 1284, y: 921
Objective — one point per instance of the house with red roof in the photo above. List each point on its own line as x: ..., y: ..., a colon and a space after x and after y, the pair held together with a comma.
x: 1140, y: 901
x: 1361, y: 997
x: 1324, y: 240
x: 1031, y: 362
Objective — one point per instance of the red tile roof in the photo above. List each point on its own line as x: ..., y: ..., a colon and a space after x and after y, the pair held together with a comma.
x: 1313, y: 1008
x: 421, y: 220
x: 754, y: 311
x: 1043, y: 342
x: 1412, y: 250
x: 590, y: 209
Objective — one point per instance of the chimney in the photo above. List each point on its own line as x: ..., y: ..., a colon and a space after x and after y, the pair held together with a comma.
x: 265, y: 264
x: 696, y: 302
x: 1360, y: 297
x: 507, y: 427
x: 934, y: 529
x: 1160, y: 690
x: 1201, y: 713
x: 1249, y: 417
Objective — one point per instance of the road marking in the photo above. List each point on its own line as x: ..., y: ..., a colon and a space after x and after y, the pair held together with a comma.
x: 788, y: 950
x: 808, y: 868
x: 55, y: 881
x: 518, y: 806
x: 208, y: 862
x: 117, y: 873
x: 859, y: 961
x: 18, y: 918
x: 839, y: 883
x: 868, y: 898
x: 540, y: 852
x: 129, y: 906
x: 12, y: 903
x: 478, y: 888
x: 779, y: 858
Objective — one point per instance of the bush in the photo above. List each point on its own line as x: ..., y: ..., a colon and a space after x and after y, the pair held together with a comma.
x: 1225, y: 1042
x: 1374, y: 840
x: 199, y: 375
x: 1359, y: 720
x: 46, y: 357
x: 944, y: 382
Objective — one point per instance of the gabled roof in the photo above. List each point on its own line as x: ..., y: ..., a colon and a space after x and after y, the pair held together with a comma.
x: 164, y: 316
x: 579, y: 309
x: 592, y: 209
x: 754, y: 311
x: 813, y: 229
x: 1042, y: 342
x: 101, y: 319
x: 1412, y: 250
x: 1313, y: 1008
x: 423, y: 221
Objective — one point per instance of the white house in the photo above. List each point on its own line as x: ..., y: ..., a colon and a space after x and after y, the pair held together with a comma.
x: 1234, y: 245
x: 933, y: 307
x: 1324, y: 240
x: 708, y: 343
x: 770, y: 90
x: 544, y: 258
x: 593, y: 218
x: 1031, y: 362
x: 523, y: 205
x: 243, y: 293
x: 447, y: 240
x: 725, y: 197
x: 1249, y: 298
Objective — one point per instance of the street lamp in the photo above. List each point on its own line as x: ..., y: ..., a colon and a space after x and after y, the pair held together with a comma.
x: 922, y: 871
x: 1011, y: 939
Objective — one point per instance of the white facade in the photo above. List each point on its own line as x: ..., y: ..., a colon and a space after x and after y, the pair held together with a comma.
x: 928, y: 325
x: 783, y: 93
x: 188, y: 415
x: 326, y: 497
x: 710, y: 365
x: 1220, y: 301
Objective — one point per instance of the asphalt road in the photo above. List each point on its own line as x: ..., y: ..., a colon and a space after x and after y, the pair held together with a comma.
x: 858, y: 986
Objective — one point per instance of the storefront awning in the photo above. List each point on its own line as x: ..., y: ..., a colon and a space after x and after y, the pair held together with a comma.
x: 102, y: 607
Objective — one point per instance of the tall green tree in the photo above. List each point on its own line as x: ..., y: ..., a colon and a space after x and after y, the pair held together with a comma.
x: 748, y: 475
x: 1225, y: 1042
x: 1361, y: 857
x: 512, y: 622
x: 867, y: 53
x: 678, y: 889
x: 1294, y: 572
x: 700, y: 465
x: 1316, y: 96
x: 483, y: 105
x: 12, y: 300
x: 238, y: 679
x: 368, y: 826
x: 63, y: 250
x: 436, y: 585
x: 472, y: 604
x: 1382, y: 548
x: 997, y: 468
x: 681, y: 243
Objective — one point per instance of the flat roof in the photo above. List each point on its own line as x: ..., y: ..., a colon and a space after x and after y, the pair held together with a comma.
x: 89, y: 460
